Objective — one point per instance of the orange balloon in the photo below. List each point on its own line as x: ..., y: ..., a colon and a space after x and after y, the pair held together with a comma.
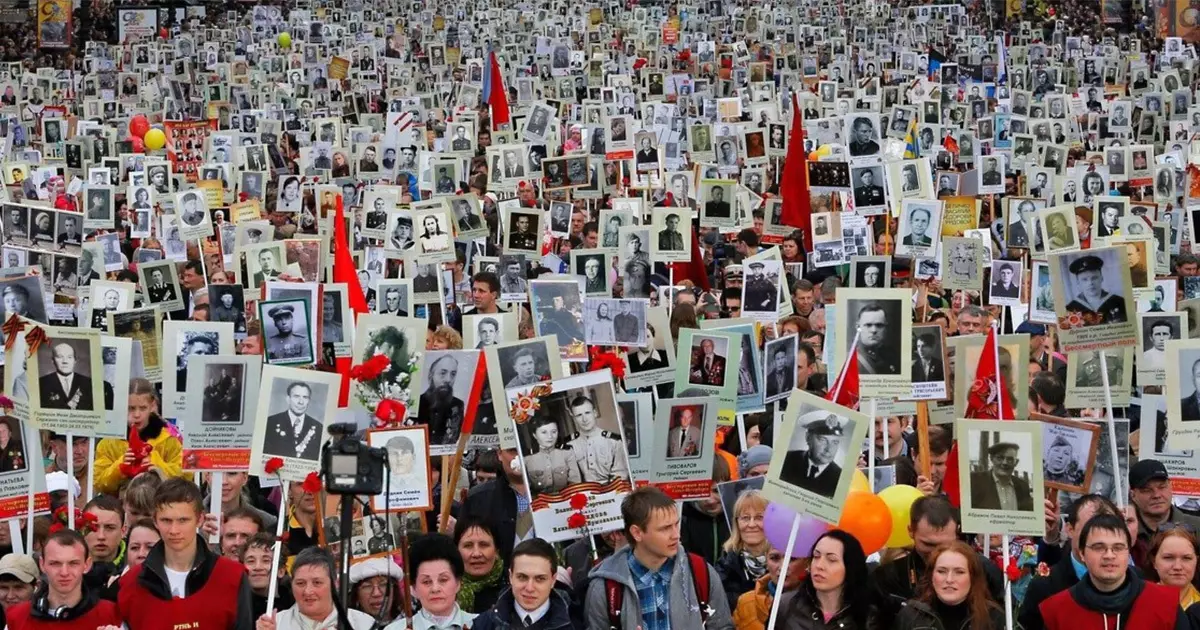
x: 866, y: 517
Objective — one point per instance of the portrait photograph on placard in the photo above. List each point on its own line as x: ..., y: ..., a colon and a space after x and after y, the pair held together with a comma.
x: 816, y: 453
x: 160, y: 285
x: 706, y: 364
x: 294, y: 409
x: 1070, y: 453
x: 1154, y: 331
x: 1000, y: 469
x: 779, y: 373
x: 1060, y: 229
x: 287, y: 337
x: 141, y: 325
x: 748, y: 380
x: 652, y: 364
x: 1086, y: 373
x: 1093, y: 299
x: 182, y: 341
x: 481, y: 331
x: 1007, y: 278
x: 671, y: 240
x: 408, y: 465
x: 595, y: 268
x: 69, y: 393
x: 930, y: 365
x: 556, y: 422
x: 882, y: 319
x: 448, y: 396
x: 558, y: 310
x: 869, y: 272
x: 619, y: 322
x: 223, y: 389
x: 920, y: 227
x: 683, y: 456
x: 517, y: 363
x: 1183, y: 392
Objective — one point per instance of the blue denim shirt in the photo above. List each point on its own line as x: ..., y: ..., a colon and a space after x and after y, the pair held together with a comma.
x: 654, y: 593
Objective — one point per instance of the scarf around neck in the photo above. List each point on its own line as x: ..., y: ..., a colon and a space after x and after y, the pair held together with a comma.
x: 756, y: 566
x: 471, y: 585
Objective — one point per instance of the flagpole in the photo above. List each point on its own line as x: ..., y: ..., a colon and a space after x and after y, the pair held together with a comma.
x: 1008, y: 602
x: 996, y: 356
x: 871, y: 450
x: 841, y: 377
x: 1112, y: 432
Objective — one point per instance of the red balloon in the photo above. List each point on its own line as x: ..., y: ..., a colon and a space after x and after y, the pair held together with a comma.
x: 138, y: 126
x: 162, y: 32
x: 139, y: 146
x: 866, y: 517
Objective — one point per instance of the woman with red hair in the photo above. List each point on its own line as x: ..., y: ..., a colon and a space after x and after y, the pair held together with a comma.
x: 1172, y: 562
x: 953, y: 594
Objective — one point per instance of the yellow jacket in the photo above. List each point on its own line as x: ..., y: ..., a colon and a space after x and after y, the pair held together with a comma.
x: 753, y: 608
x: 167, y: 457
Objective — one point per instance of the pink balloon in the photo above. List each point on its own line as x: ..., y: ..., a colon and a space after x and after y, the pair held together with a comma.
x: 138, y: 126
x: 777, y: 525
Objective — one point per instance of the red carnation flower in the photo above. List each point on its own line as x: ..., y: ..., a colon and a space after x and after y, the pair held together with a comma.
x: 312, y: 483
x: 390, y: 412
x: 576, y: 520
x: 273, y: 465
x: 579, y: 501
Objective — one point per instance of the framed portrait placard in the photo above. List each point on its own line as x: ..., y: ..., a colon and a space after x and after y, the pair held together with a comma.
x: 653, y: 363
x: 1154, y: 331
x: 1014, y: 369
x: 513, y: 364
x: 21, y: 470
x: 289, y: 398
x: 64, y: 379
x: 569, y: 440
x: 683, y: 446
x: 181, y: 341
x: 812, y: 474
x: 116, y: 359
x: 883, y: 320
x: 749, y: 374
x: 1093, y: 299
x: 408, y: 460
x: 221, y: 394
x: 448, y: 384
x: 402, y: 341
x: 1070, y: 453
x: 1000, y: 469
x: 930, y: 364
x: 706, y: 365
x: 1085, y: 378
x: 1183, y: 393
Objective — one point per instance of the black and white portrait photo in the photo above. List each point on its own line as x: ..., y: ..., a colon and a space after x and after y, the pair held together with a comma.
x: 871, y: 272
x: 1003, y: 474
x: 716, y: 201
x: 1092, y: 290
x: 920, y: 226
x: 160, y: 284
x: 817, y: 453
x: 1000, y: 480
x: 524, y: 364
x: 224, y: 393
x: 671, y: 240
x: 615, y: 321
x: 287, y: 339
x: 760, y: 288
x: 447, y: 377
x: 558, y: 310
x: 879, y: 320
x: 227, y: 304
x: 1005, y: 287
x: 1183, y: 385
x: 1069, y: 453
x: 65, y: 376
x: 779, y: 374
x: 22, y: 296
x: 595, y: 270
x: 292, y: 410
x: 868, y: 187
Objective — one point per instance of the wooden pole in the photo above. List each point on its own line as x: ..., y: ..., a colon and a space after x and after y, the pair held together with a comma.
x: 923, y: 439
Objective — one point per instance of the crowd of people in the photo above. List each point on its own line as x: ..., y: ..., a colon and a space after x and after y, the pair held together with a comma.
x: 591, y: 128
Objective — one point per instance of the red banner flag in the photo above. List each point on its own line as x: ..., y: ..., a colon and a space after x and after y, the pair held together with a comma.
x: 345, y: 271
x: 793, y: 186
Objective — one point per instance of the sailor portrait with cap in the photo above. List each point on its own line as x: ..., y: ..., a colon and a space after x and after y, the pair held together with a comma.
x: 286, y: 344
x: 1060, y: 465
x: 761, y: 294
x: 813, y: 467
x: 1095, y: 304
x: 998, y: 487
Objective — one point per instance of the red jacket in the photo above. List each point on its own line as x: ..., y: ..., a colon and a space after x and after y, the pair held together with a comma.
x: 217, y: 595
x: 1156, y: 608
x: 100, y: 613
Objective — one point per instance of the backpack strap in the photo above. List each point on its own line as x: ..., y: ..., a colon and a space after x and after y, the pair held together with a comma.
x: 699, y: 570
x: 615, y: 595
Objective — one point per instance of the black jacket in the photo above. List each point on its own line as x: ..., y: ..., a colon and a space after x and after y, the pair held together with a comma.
x: 798, y: 611
x: 732, y: 569
x: 495, y: 502
x: 895, y: 582
x: 1061, y: 578
x: 502, y: 616
x: 702, y: 534
x: 916, y: 615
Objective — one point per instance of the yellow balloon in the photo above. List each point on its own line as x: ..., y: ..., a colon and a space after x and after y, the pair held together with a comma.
x: 899, y: 500
x: 155, y: 139
x: 285, y: 40
x: 858, y: 482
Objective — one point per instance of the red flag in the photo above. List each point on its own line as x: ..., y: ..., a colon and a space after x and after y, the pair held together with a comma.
x: 694, y: 269
x: 793, y: 186
x: 988, y: 399
x: 344, y: 271
x: 845, y: 390
x: 497, y: 97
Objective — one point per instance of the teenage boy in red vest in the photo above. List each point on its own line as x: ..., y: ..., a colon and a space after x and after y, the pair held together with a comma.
x: 181, y: 581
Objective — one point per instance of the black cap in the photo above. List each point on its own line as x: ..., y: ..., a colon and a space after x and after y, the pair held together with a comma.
x: 1087, y: 263
x: 1145, y: 471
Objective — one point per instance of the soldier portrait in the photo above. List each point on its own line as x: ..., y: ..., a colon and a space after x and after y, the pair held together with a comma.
x: 447, y: 376
x: 760, y: 288
x: 686, y: 435
x: 286, y: 336
x: 1068, y: 453
x: 868, y: 186
x: 708, y: 356
x: 816, y: 452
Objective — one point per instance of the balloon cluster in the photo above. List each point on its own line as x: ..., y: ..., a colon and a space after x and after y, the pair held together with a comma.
x: 143, y: 136
x: 876, y: 520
